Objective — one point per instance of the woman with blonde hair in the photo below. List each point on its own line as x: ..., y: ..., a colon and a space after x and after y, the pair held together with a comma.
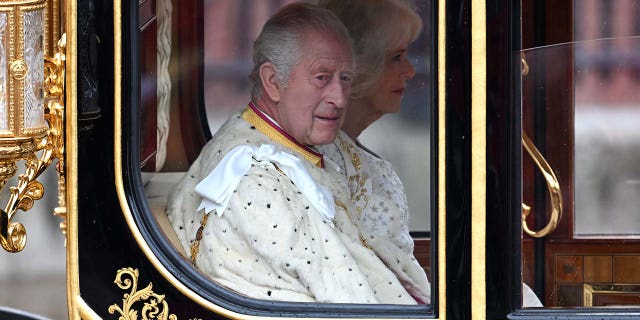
x: 381, y: 31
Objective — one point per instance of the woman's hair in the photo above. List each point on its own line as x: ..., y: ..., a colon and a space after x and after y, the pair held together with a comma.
x: 376, y: 27
x: 280, y: 41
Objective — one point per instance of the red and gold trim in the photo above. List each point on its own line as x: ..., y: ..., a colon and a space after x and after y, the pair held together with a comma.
x: 270, y: 129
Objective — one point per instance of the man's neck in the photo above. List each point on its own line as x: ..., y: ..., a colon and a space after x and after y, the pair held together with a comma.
x: 263, y: 123
x: 262, y: 111
x: 268, y: 108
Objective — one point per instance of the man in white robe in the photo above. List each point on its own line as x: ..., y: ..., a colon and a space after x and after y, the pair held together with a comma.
x: 261, y: 211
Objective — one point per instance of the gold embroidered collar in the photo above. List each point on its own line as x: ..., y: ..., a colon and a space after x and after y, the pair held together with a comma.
x: 270, y: 129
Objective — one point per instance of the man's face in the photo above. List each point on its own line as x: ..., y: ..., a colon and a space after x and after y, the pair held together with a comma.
x: 312, y: 105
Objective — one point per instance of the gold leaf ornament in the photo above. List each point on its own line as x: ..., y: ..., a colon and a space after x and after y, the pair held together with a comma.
x: 153, y: 305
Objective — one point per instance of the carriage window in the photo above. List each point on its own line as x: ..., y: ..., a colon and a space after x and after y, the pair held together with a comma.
x: 580, y: 99
x: 384, y: 170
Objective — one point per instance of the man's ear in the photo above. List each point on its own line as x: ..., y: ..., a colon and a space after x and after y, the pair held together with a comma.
x: 270, y: 85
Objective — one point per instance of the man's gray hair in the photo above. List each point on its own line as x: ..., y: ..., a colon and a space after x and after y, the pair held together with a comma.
x: 280, y: 41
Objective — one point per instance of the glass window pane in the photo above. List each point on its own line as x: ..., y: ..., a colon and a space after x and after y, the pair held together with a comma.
x: 607, y: 100
x: 230, y: 28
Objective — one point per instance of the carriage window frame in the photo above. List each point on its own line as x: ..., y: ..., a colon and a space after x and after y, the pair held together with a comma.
x: 179, y: 270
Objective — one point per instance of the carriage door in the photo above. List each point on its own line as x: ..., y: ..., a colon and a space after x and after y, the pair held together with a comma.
x: 581, y: 179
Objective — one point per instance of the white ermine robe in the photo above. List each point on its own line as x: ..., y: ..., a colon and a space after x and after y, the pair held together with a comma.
x: 271, y: 242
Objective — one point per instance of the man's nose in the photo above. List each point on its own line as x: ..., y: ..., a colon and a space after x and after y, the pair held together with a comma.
x: 338, y: 92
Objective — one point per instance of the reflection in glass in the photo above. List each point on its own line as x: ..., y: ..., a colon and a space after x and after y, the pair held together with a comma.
x: 607, y: 138
x: 606, y: 94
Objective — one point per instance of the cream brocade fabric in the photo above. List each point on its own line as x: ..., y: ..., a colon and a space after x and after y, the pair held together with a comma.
x: 383, y: 213
x: 381, y: 201
x: 271, y: 243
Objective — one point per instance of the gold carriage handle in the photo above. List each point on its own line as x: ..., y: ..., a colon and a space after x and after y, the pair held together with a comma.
x: 552, y: 185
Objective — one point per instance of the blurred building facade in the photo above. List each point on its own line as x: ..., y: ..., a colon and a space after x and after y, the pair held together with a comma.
x: 607, y: 110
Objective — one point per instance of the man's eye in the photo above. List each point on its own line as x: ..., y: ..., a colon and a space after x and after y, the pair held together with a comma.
x: 321, y: 80
x: 345, y: 78
x: 397, y: 57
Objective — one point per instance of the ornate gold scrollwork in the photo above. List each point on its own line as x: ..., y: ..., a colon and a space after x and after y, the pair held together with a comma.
x: 13, y: 235
x: 553, y: 186
x: 54, y: 85
x: 22, y: 196
x: 154, y: 307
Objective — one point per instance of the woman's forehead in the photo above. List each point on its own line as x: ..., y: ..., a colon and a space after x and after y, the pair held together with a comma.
x: 402, y: 35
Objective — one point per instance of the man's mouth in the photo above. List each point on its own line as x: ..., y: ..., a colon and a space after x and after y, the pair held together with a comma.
x: 328, y: 117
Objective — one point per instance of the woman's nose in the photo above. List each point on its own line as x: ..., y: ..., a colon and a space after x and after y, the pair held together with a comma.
x: 409, y: 70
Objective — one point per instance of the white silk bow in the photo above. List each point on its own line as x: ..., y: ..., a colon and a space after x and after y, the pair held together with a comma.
x: 217, y: 188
